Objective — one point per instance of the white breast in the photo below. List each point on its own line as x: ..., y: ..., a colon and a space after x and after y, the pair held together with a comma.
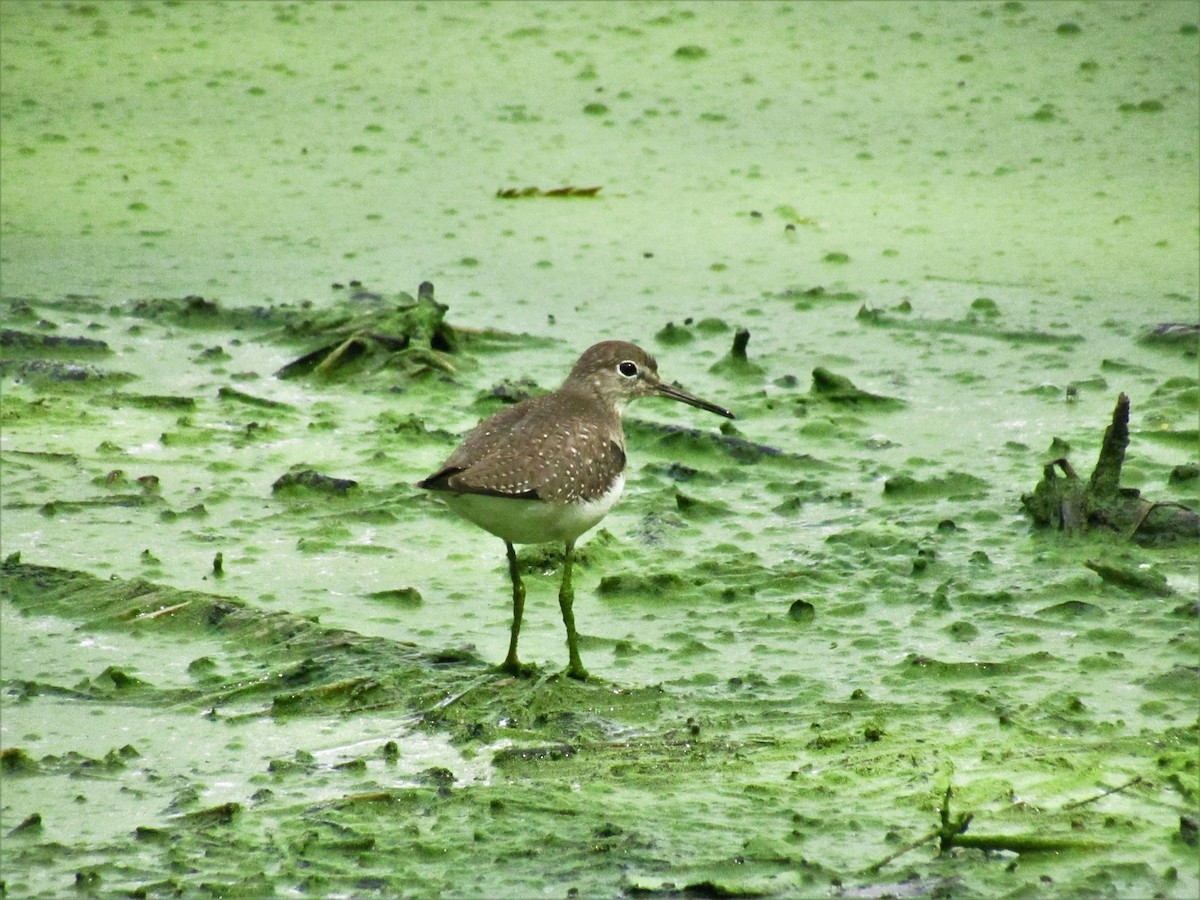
x: 535, y: 521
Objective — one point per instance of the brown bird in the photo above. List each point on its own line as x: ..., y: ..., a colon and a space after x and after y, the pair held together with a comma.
x: 551, y: 467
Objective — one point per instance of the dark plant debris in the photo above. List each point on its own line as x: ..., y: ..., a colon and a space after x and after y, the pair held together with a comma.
x: 530, y: 192
x: 1069, y: 504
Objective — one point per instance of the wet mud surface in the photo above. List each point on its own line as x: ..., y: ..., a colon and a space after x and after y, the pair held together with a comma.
x: 241, y: 655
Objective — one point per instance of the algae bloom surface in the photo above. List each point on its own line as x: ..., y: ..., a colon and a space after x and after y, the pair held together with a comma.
x: 920, y: 249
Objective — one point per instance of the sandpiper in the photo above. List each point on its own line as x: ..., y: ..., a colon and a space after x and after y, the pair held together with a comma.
x: 551, y: 467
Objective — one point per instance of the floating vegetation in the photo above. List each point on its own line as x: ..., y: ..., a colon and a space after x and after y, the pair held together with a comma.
x: 953, y: 484
x: 808, y: 298
x: 312, y: 480
x: 1142, y: 106
x: 839, y: 389
x: 236, y: 396
x: 1173, y: 335
x: 42, y: 345
x: 412, y: 337
x: 300, y: 661
x: 567, y: 191
x: 147, y: 401
x: 970, y: 327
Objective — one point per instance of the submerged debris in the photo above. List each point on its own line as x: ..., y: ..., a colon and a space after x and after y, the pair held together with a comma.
x: 968, y: 326
x: 952, y: 484
x: 528, y: 192
x: 737, y: 363
x: 22, y: 342
x: 148, y: 401
x: 302, y: 666
x: 1173, y: 334
x: 311, y: 479
x: 1067, y: 503
x: 228, y: 393
x: 839, y: 389
x: 807, y: 298
x: 46, y: 371
x: 674, y: 335
x: 215, y: 815
x: 1131, y: 577
x: 32, y: 824
x: 952, y: 834
x: 408, y: 334
x: 190, y: 310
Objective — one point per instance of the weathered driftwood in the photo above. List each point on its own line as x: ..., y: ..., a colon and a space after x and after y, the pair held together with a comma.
x: 1070, y: 504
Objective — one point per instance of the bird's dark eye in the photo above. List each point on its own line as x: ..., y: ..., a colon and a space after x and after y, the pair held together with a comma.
x: 628, y: 369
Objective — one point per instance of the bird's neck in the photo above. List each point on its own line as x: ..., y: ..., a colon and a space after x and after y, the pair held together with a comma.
x: 588, y: 400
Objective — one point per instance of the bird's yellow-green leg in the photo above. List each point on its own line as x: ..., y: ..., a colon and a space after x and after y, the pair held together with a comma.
x: 510, y: 665
x: 566, y: 597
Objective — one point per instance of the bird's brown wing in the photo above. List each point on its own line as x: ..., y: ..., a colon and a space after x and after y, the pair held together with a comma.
x: 533, y: 453
x: 487, y: 438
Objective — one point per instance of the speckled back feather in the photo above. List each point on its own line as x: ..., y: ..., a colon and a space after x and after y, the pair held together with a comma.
x: 532, y: 451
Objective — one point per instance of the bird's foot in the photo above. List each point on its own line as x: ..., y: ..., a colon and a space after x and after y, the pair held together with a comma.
x: 516, y: 669
x: 578, y: 672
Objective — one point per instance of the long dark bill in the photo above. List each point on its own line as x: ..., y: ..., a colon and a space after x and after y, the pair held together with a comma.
x: 684, y: 397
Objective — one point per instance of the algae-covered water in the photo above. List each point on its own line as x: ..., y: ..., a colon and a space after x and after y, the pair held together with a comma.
x: 242, y: 655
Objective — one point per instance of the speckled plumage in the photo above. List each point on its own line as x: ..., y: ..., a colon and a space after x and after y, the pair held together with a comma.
x: 551, y: 467
x: 540, y: 449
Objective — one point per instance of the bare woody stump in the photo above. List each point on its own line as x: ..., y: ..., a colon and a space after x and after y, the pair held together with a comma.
x: 1068, y: 503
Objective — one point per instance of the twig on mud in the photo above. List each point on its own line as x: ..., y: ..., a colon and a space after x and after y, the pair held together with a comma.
x: 1078, y: 803
x: 952, y: 834
x: 166, y: 610
x: 874, y: 868
x: 454, y: 698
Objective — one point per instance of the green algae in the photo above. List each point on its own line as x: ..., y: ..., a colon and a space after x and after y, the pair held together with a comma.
x: 838, y: 389
x: 728, y: 746
x: 952, y: 484
x: 969, y: 326
x: 49, y: 345
x: 634, y: 736
x: 234, y: 395
x: 1133, y: 578
x: 50, y: 374
x: 304, y: 479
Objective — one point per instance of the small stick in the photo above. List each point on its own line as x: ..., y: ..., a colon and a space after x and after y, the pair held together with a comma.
x: 1078, y: 803
x: 166, y: 610
x: 874, y: 868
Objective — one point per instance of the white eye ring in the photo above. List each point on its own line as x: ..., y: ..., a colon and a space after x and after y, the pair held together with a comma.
x: 628, y: 368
